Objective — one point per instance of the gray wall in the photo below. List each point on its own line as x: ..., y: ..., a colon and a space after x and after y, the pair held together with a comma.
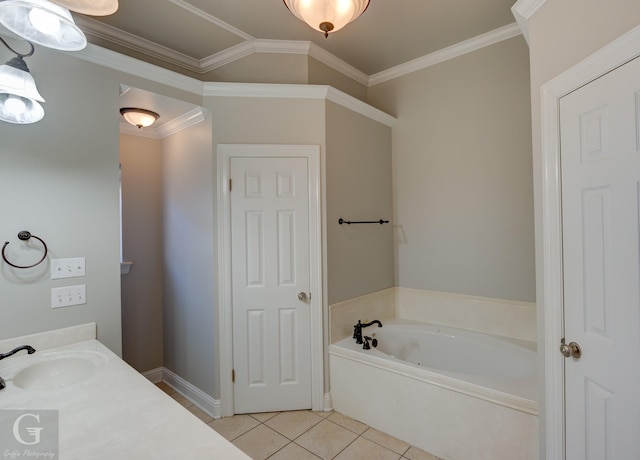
x: 358, y: 177
x: 189, y: 256
x: 463, y: 197
x: 561, y: 34
x: 59, y: 179
x: 142, y: 240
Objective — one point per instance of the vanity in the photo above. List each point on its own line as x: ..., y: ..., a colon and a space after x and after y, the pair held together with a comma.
x: 105, y: 409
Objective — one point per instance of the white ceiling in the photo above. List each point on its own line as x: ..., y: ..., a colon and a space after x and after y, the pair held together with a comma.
x: 389, y: 33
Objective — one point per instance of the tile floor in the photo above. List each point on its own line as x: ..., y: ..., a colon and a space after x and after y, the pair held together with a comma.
x: 304, y: 435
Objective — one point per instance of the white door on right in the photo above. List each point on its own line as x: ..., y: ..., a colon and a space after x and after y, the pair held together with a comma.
x: 600, y: 161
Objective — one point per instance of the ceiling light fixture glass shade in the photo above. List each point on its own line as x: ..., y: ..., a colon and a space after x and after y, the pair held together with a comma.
x: 141, y: 118
x: 90, y: 7
x: 42, y: 22
x: 327, y: 15
x: 19, y: 97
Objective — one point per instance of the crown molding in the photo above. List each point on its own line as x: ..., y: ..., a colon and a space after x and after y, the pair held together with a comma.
x: 119, y: 37
x: 523, y: 10
x: 149, y: 132
x: 338, y: 64
x: 269, y: 90
x: 186, y: 120
x: 212, y: 19
x: 445, y: 54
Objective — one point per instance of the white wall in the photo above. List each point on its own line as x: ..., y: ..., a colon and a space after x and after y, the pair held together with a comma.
x: 463, y: 195
x: 59, y: 179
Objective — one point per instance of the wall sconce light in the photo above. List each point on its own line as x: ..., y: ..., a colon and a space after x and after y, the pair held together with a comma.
x: 19, y: 97
x: 90, y: 7
x: 141, y: 118
x: 327, y: 15
x: 42, y: 22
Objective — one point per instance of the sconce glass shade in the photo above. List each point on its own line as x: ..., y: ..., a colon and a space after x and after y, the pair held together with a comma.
x: 42, y: 22
x: 139, y: 117
x: 327, y: 15
x: 19, y: 97
x: 90, y: 7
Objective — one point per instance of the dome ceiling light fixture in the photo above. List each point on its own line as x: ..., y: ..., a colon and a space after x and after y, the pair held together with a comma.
x: 327, y: 15
x: 90, y: 7
x: 141, y: 118
x: 43, y: 23
x: 19, y: 97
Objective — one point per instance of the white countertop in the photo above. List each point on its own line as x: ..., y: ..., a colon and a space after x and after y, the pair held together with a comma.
x: 116, y: 413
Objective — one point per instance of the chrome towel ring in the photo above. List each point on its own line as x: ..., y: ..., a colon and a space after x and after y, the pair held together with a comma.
x: 25, y: 236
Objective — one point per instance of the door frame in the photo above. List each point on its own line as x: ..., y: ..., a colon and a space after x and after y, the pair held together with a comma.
x: 225, y: 313
x: 547, y: 178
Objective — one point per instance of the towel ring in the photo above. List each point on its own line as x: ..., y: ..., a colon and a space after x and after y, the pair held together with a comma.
x: 25, y: 236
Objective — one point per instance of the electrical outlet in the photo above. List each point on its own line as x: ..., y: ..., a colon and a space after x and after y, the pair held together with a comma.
x: 67, y: 268
x: 68, y: 295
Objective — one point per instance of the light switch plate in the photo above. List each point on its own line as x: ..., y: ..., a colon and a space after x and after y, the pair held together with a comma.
x: 68, y: 295
x: 67, y: 268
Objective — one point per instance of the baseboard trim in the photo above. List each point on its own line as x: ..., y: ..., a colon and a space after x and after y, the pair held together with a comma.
x: 194, y: 394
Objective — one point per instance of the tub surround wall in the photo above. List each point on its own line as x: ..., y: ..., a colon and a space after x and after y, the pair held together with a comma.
x: 516, y: 320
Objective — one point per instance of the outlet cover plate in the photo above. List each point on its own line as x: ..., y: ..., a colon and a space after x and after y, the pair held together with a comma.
x: 67, y: 296
x: 67, y: 268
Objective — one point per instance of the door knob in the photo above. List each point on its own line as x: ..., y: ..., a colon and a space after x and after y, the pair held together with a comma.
x: 302, y: 296
x: 572, y: 349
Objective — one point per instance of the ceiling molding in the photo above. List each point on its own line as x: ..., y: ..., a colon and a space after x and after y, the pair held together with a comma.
x: 523, y: 10
x: 120, y: 62
x: 338, y: 64
x: 119, y: 37
x: 212, y: 19
x: 270, y: 90
x: 149, y: 133
x: 445, y: 54
x: 186, y: 120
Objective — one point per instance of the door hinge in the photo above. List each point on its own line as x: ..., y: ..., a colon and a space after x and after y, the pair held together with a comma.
x: 233, y: 376
x: 230, y: 185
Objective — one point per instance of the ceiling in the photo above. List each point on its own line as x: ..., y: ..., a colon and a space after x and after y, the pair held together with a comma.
x: 191, y: 33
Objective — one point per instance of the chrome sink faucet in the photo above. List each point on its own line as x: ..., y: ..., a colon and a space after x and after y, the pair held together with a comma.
x: 30, y: 350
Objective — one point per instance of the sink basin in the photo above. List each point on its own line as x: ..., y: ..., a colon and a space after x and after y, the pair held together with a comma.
x: 61, y: 369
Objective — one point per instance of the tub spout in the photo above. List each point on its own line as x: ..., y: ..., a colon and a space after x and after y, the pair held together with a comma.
x: 357, y: 329
x: 375, y: 321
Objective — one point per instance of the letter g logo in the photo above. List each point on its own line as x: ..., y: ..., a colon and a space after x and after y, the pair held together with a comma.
x: 32, y: 431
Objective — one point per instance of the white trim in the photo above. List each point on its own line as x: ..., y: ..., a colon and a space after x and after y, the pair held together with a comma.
x: 617, y: 53
x: 154, y: 375
x: 194, y: 394
x: 120, y: 62
x: 328, y: 402
x: 298, y: 91
x: 522, y: 10
x: 225, y: 324
x: 184, y: 121
x: 212, y: 19
x: 330, y: 60
x: 445, y: 54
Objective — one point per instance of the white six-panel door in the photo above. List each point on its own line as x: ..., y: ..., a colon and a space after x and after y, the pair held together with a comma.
x: 270, y: 279
x: 600, y: 160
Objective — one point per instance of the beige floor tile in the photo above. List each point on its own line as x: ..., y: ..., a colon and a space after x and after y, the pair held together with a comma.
x: 293, y: 452
x: 260, y: 443
x: 326, y: 439
x: 166, y: 388
x: 264, y: 416
x: 363, y: 449
x: 323, y: 414
x: 292, y: 424
x: 391, y: 443
x: 202, y: 415
x: 181, y: 399
x: 232, y: 427
x: 416, y: 454
x: 348, y: 423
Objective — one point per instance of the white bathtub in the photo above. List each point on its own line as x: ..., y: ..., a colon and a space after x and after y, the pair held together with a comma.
x: 456, y: 394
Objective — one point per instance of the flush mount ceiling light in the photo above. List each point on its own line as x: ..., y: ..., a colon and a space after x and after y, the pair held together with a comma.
x: 327, y: 15
x: 19, y: 97
x: 42, y: 22
x: 90, y: 7
x: 141, y: 118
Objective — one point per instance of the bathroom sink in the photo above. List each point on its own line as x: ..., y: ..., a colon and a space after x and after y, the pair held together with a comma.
x: 60, y: 369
